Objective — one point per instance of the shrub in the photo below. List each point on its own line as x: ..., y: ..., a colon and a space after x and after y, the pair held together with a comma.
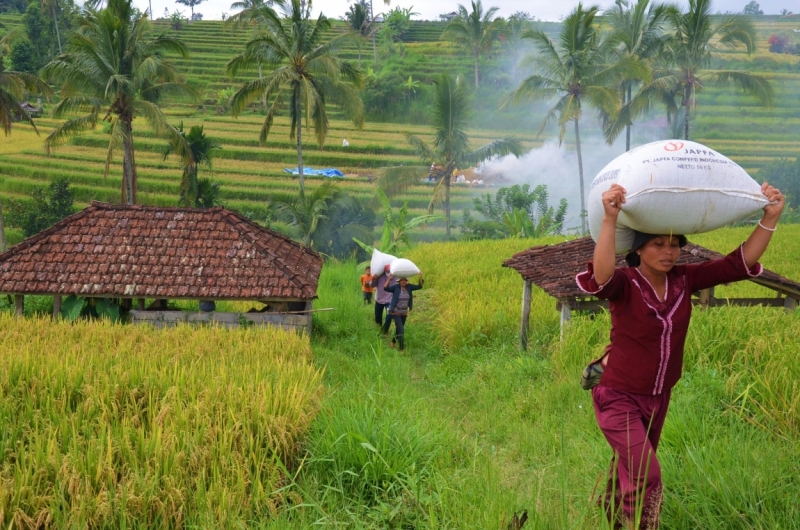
x: 47, y: 208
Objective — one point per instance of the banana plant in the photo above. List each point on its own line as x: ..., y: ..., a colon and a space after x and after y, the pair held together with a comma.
x: 395, y: 228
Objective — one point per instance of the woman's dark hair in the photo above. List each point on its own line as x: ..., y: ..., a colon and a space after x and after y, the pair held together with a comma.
x: 639, y: 240
x: 633, y: 259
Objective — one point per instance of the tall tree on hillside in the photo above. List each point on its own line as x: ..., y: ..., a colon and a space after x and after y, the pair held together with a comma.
x: 574, y: 69
x: 691, y: 48
x: 451, y: 150
x: 190, y: 4
x: 53, y: 7
x: 374, y: 30
x: 116, y: 70
x: 475, y: 31
x: 359, y: 21
x: 642, y: 33
x: 306, y: 74
x: 196, y: 149
x: 513, y: 42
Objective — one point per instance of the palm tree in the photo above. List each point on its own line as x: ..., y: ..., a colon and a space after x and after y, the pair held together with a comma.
x: 307, y: 74
x: 317, y: 218
x: 13, y: 86
x: 573, y: 69
x: 475, y: 31
x: 374, y: 30
x: 692, y: 47
x: 53, y: 5
x: 641, y: 31
x: 359, y: 21
x: 516, y: 26
x: 200, y: 150
x: 450, y: 150
x: 116, y: 71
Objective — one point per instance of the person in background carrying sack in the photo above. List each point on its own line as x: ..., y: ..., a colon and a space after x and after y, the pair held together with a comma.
x: 402, y: 303
x: 366, y: 286
x: 650, y: 305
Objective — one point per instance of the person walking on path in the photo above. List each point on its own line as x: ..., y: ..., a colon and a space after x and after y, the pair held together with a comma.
x: 366, y: 286
x: 401, y: 304
x: 650, y: 305
x: 382, y: 300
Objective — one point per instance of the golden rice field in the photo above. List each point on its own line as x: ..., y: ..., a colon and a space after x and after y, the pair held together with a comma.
x: 108, y: 426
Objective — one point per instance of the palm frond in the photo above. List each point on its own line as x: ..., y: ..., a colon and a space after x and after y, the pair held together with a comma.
x: 395, y: 180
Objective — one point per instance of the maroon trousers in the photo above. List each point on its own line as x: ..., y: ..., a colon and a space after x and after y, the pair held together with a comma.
x: 632, y: 426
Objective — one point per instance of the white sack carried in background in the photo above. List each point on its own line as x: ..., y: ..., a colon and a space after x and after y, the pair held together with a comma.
x: 380, y: 261
x: 403, y: 268
x: 674, y: 187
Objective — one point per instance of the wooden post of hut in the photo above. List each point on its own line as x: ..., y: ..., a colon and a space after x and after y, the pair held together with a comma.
x: 526, y: 316
x: 790, y: 304
x: 19, y: 305
x: 566, y: 315
x: 56, y: 305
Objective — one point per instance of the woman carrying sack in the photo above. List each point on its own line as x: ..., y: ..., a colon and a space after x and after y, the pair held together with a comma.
x: 650, y: 305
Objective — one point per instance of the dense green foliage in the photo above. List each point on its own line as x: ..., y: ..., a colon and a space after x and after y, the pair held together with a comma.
x: 518, y: 211
x: 47, y: 207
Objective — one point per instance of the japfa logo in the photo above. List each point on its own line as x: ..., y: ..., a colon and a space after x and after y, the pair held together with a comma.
x: 673, y: 146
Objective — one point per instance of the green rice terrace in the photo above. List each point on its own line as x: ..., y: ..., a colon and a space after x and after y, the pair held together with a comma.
x: 726, y: 120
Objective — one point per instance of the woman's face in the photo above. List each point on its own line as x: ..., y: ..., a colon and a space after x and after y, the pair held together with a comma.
x: 660, y: 253
x: 403, y: 282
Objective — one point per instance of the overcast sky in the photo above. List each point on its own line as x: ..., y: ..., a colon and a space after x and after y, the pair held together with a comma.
x: 430, y: 9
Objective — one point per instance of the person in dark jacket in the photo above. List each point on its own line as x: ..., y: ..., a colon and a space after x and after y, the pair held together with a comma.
x: 382, y: 299
x: 401, y: 304
x: 650, y: 302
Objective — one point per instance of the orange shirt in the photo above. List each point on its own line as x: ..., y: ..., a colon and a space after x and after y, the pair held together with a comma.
x: 365, y: 286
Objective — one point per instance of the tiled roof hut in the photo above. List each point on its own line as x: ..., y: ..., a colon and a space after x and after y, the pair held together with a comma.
x: 554, y: 267
x: 137, y: 252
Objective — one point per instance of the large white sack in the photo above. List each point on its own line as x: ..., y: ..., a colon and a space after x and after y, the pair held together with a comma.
x: 403, y: 268
x: 380, y: 261
x: 674, y: 186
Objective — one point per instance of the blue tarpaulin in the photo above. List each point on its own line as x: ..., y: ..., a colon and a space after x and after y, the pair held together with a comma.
x: 325, y: 172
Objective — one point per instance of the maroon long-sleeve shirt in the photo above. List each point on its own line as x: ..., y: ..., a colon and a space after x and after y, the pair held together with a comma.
x: 648, y: 335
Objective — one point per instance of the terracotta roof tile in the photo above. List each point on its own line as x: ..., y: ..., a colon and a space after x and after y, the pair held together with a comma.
x: 123, y: 251
x: 554, y: 267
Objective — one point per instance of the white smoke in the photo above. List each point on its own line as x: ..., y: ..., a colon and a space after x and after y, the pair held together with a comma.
x: 557, y: 167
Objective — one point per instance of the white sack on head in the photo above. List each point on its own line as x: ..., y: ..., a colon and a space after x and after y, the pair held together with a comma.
x: 674, y: 187
x: 380, y: 261
x: 403, y: 268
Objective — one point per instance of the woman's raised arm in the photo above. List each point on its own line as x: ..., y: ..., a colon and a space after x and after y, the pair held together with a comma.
x: 758, y: 241
x: 605, y: 255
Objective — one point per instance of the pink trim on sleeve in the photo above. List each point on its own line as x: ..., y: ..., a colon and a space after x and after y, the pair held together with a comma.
x: 753, y: 272
x: 589, y: 281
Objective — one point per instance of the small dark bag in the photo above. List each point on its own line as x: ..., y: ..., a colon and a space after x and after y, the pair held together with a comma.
x: 590, y: 377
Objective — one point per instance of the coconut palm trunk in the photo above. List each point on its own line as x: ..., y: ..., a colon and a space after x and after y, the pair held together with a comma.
x: 2, y: 230
x: 55, y: 22
x: 628, y: 94
x: 476, y: 69
x: 580, y: 175
x: 687, y: 95
x: 299, y: 133
x: 447, y: 202
x: 374, y: 30
x: 129, y: 175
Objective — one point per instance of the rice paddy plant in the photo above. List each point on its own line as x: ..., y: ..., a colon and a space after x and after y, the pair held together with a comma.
x: 110, y: 426
x: 477, y: 301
